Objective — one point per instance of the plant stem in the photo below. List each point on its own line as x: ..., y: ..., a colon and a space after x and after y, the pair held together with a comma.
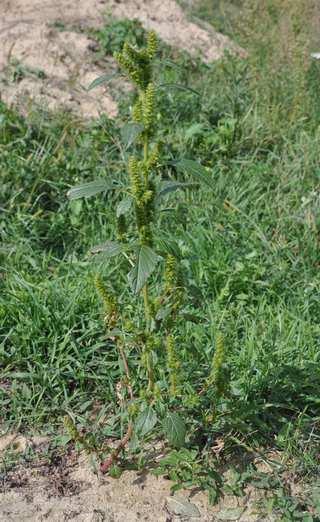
x: 146, y: 305
x: 145, y: 288
x: 106, y: 465
x: 145, y: 155
x: 126, y: 369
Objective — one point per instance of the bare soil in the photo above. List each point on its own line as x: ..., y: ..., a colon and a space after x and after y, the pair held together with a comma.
x: 41, y: 63
x: 60, y: 486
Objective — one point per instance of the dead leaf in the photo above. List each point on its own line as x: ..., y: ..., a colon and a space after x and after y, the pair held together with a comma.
x: 230, y: 514
x: 179, y: 505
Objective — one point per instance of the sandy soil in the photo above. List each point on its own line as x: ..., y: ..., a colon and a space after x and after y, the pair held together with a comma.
x: 67, y: 487
x: 58, y: 65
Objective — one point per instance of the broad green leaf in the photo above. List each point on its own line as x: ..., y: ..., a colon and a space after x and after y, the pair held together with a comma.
x: 195, y: 169
x: 175, y: 429
x: 146, y: 421
x: 105, y: 78
x: 163, y: 312
x: 181, y: 506
x: 124, y: 206
x: 133, y: 442
x: 172, y: 186
x: 177, y: 457
x: 109, y: 248
x: 130, y: 132
x: 181, y: 87
x: 146, y: 262
x: 193, y: 130
x: 168, y: 246
x: 76, y: 207
x: 90, y: 189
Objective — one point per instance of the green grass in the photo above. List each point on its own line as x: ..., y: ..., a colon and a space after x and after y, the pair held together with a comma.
x: 250, y: 248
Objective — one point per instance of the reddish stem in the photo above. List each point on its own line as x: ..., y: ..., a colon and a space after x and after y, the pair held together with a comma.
x: 106, y: 465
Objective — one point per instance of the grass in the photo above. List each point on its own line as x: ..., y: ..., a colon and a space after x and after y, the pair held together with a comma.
x: 250, y: 248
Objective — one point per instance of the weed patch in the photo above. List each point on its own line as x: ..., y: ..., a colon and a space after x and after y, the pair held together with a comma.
x: 245, y: 235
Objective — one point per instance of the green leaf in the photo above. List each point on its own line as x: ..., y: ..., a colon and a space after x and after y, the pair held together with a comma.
x: 163, y: 312
x: 124, y: 206
x: 105, y: 78
x: 181, y: 506
x: 115, y: 471
x: 177, y: 457
x: 115, y: 332
x: 181, y: 87
x: 168, y: 62
x: 175, y: 429
x: 90, y: 189
x: 172, y: 186
x: 146, y: 421
x: 195, y: 169
x: 168, y: 246
x: 130, y: 132
x: 191, y: 317
x: 133, y: 442
x: 146, y: 262
x: 109, y: 248
x: 76, y: 207
x: 193, y: 130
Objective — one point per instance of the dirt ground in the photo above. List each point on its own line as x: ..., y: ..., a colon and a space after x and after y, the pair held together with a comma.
x: 65, y: 486
x: 40, y: 62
